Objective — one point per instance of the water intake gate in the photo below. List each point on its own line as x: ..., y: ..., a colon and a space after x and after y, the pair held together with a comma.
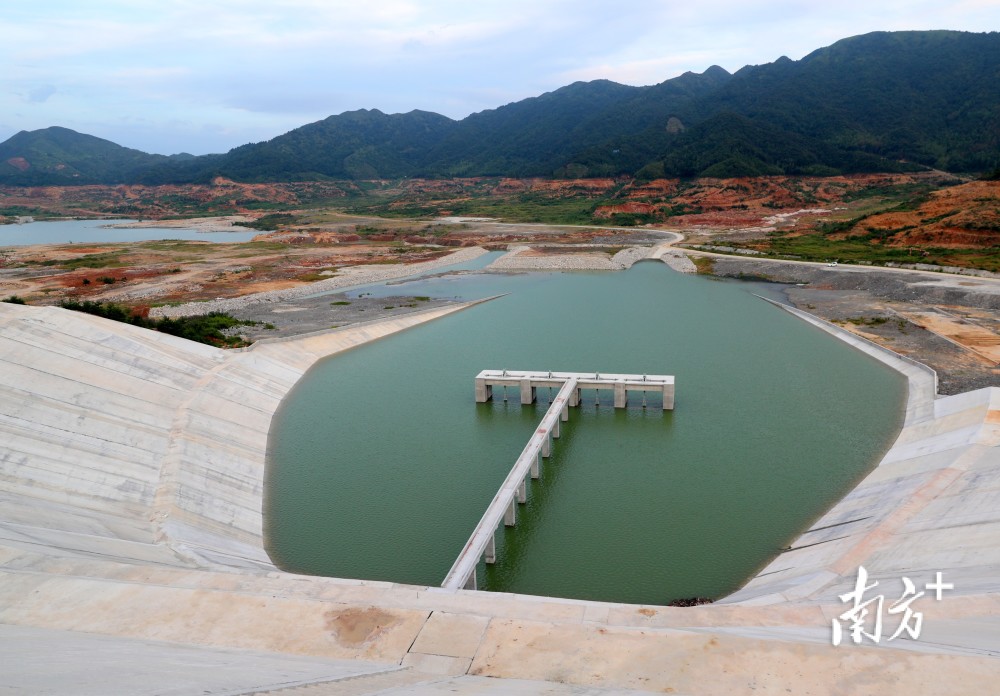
x: 482, y: 543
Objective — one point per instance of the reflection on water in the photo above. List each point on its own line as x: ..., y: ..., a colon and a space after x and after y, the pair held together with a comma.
x: 382, y: 463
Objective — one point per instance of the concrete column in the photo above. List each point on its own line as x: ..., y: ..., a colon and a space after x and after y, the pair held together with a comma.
x: 470, y: 584
x: 491, y: 550
x: 564, y: 416
x: 668, y: 397
x: 574, y: 398
x: 546, y: 446
x: 536, y: 467
x: 621, y: 396
x: 484, y: 391
x: 555, y: 429
x: 527, y: 392
x: 510, y: 516
x: 522, y: 493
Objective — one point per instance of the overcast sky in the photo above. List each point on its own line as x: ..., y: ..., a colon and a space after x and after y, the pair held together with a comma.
x: 207, y: 75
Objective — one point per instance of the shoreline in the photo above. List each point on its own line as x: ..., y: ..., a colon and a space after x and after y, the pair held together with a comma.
x: 348, y: 277
x: 223, y: 223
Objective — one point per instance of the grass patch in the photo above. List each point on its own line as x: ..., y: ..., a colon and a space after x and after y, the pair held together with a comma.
x: 271, y: 222
x: 108, y: 259
x: 205, y: 328
x: 340, y: 303
x: 867, y: 251
x: 704, y: 264
x: 528, y: 207
x: 863, y: 321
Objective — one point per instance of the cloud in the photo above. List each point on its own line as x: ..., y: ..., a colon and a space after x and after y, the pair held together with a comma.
x: 40, y: 94
x: 261, y: 67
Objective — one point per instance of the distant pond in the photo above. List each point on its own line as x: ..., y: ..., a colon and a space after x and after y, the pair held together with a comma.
x: 91, y: 231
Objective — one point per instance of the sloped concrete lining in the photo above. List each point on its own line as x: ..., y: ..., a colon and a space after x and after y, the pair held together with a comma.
x: 132, y: 444
x: 131, y: 466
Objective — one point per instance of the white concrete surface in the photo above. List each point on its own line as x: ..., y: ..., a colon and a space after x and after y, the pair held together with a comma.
x: 43, y: 662
x: 619, y: 384
x: 128, y: 443
x: 64, y: 663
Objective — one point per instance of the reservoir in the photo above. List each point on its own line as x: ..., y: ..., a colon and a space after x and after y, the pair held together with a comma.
x: 381, y: 463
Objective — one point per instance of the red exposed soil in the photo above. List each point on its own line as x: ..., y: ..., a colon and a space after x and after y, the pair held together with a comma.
x: 960, y: 217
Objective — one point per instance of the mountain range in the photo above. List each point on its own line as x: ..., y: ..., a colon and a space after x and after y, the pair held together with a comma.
x: 885, y: 101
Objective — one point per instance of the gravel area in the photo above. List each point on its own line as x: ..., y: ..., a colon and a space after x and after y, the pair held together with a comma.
x: 633, y: 236
x: 869, y: 302
x: 885, y: 285
x: 308, y: 314
x: 679, y: 261
x: 347, y: 277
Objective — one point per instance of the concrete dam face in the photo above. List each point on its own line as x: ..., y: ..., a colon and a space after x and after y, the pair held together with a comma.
x: 131, y: 475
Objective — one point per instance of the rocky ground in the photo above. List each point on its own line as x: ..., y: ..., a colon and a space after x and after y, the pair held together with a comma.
x: 357, y: 275
x: 950, y: 323
x: 564, y: 258
x: 301, y: 315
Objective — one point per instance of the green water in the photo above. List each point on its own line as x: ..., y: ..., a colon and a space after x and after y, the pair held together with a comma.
x: 381, y: 463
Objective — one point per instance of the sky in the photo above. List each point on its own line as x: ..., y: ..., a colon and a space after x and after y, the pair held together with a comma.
x: 204, y: 76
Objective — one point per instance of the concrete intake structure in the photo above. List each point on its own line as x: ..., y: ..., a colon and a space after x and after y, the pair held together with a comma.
x: 528, y: 382
x: 482, y: 543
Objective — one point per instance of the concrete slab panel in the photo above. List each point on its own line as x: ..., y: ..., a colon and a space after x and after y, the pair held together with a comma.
x: 63, y: 663
x: 452, y: 635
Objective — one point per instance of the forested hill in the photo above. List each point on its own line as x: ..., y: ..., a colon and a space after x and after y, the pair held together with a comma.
x: 878, y: 102
x: 63, y: 156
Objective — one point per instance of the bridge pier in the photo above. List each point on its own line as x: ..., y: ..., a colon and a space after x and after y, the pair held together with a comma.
x: 484, y: 391
x: 527, y: 392
x: 510, y: 515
